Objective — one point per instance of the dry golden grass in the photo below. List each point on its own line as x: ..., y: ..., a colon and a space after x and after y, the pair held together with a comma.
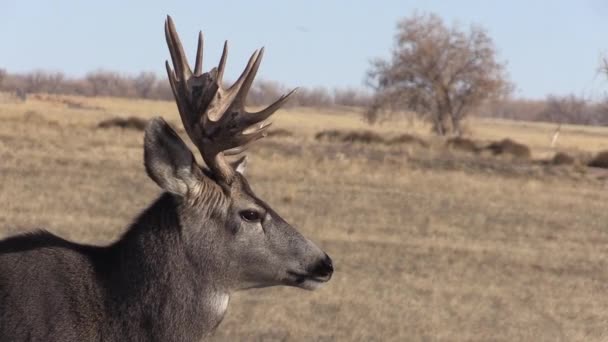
x: 427, y: 245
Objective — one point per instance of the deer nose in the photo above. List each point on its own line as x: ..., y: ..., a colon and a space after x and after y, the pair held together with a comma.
x: 325, y: 267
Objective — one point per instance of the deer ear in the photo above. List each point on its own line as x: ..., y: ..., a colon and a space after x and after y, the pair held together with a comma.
x: 168, y: 160
x: 240, y: 165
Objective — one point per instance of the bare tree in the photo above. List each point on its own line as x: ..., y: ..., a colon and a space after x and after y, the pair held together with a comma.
x: 439, y: 72
x: 45, y: 82
x: 144, y: 84
x: 2, y: 77
x: 512, y: 109
x: 314, y: 97
x: 567, y: 109
x: 602, y: 112
x: 108, y: 83
x: 351, y: 97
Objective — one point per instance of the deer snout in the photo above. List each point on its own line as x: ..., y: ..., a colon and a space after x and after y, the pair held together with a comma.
x: 312, y: 269
x: 324, y: 268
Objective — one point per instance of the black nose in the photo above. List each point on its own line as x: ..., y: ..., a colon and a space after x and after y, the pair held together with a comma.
x: 324, y: 268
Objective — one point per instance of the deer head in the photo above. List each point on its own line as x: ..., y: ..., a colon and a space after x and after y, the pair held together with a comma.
x: 230, y: 235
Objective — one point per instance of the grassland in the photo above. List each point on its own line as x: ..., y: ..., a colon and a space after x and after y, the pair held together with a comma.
x: 428, y: 245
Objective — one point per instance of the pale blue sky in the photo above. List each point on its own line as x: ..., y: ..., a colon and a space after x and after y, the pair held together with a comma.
x: 551, y: 46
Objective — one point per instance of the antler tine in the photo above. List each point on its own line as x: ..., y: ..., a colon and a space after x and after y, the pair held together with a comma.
x: 198, y: 66
x: 249, y: 119
x: 235, y: 151
x: 249, y: 135
x: 173, y: 83
x: 230, y: 96
x: 246, y: 79
x: 222, y: 65
x: 240, y: 142
x: 176, y: 50
x: 268, y: 111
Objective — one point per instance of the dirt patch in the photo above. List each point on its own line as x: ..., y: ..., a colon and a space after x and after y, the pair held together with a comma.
x: 329, y: 135
x: 508, y: 147
x: 363, y: 137
x: 600, y: 160
x: 407, y: 139
x: 131, y: 122
x: 562, y: 158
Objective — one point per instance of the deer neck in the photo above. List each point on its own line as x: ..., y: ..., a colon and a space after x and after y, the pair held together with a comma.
x: 155, y: 276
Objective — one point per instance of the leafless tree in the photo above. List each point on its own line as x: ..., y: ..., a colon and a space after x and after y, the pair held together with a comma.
x: 144, y: 84
x: 351, y: 97
x: 42, y: 81
x: 314, y: 97
x: 439, y: 72
x: 512, y: 109
x: 567, y: 109
x: 108, y: 83
x: 2, y: 77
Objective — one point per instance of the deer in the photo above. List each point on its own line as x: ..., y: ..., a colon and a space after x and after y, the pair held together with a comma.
x: 170, y: 276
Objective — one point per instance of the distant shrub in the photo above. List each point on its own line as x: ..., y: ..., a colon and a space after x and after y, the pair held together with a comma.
x: 364, y: 137
x: 279, y: 133
x: 562, y: 158
x: 329, y: 135
x: 600, y: 160
x: 313, y: 97
x: 462, y: 144
x: 351, y: 97
x: 131, y: 122
x: 407, y: 139
x: 148, y: 85
x: 559, y: 109
x: 509, y: 147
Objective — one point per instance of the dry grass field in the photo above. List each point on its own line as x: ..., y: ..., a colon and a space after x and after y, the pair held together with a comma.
x: 429, y: 245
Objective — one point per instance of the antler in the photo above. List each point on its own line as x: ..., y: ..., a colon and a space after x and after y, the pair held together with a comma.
x: 214, y: 117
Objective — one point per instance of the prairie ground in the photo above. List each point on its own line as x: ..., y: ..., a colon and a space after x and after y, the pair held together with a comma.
x: 428, y: 245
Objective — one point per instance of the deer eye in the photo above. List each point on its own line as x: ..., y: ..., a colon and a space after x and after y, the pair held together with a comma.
x: 250, y: 215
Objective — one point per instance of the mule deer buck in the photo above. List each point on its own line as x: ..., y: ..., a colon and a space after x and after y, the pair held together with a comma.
x: 170, y: 276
